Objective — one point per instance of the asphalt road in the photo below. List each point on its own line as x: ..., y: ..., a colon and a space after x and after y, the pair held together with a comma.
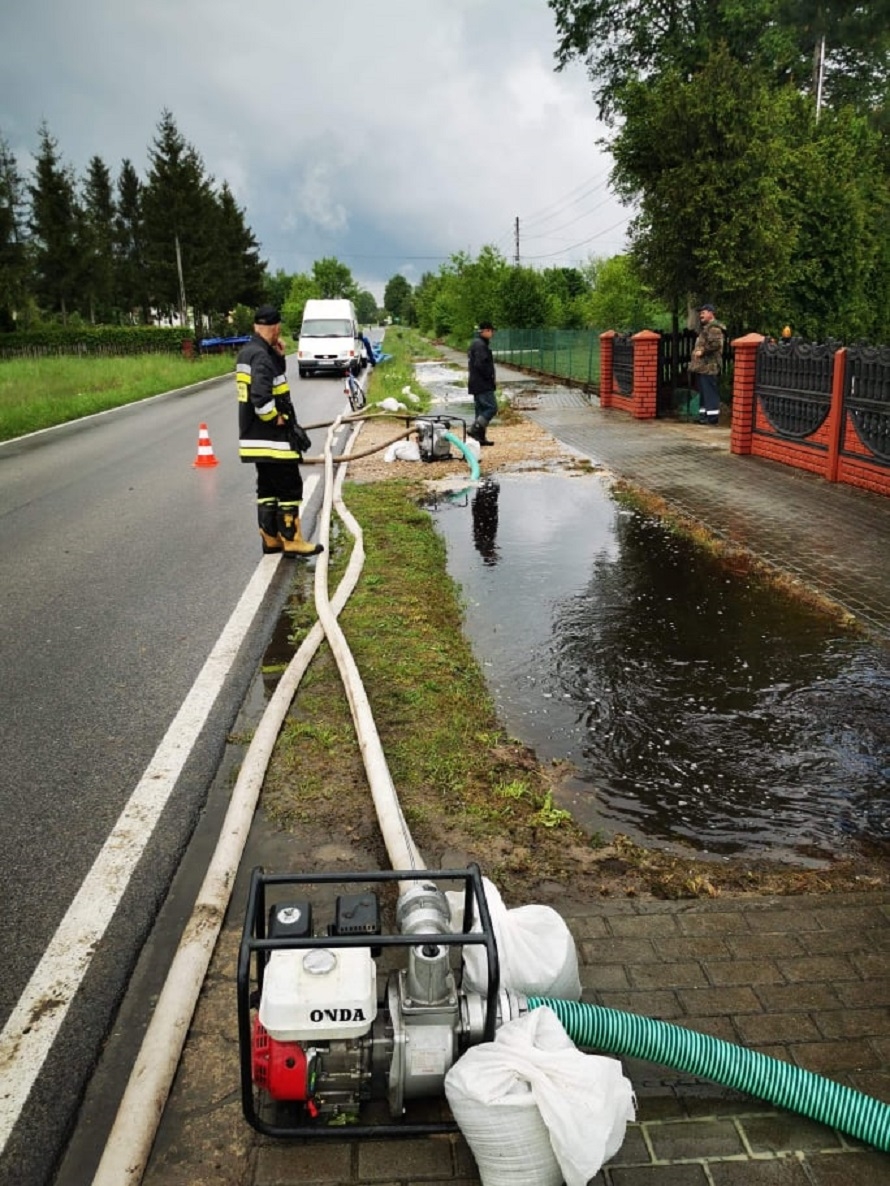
x: 121, y: 563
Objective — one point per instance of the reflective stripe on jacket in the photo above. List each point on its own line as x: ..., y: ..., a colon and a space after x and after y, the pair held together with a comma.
x: 263, y: 396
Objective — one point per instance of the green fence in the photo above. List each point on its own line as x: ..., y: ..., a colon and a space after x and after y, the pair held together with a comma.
x: 568, y: 353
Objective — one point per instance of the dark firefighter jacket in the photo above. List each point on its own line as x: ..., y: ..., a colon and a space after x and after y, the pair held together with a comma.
x: 480, y: 367
x: 263, y: 396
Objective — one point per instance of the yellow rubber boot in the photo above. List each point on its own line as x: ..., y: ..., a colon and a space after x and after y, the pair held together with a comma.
x: 291, y: 537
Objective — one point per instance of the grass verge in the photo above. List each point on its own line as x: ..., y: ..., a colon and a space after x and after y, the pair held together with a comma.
x: 38, y: 393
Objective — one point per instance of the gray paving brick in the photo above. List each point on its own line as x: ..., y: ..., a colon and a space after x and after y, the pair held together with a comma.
x: 667, y: 975
x: 318, y: 1164
x: 652, y: 926
x: 807, y: 969
x: 784, y: 1132
x: 864, y: 993
x: 413, y: 1160
x: 872, y: 964
x: 835, y: 942
x: 804, y: 998
x: 787, y: 1172
x: 662, y: 1175
x: 841, y: 1023
x: 603, y: 977
x: 776, y: 1027
x: 784, y: 921
x: 701, y: 947
x: 827, y: 1058
x: 850, y: 919
x: 661, y: 1005
x: 730, y: 1000
x: 713, y: 924
x: 762, y: 971
x: 850, y: 1169
x: 618, y: 951
x: 692, y: 1139
x: 634, y: 1150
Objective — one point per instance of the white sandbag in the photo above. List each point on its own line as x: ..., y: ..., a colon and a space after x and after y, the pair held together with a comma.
x: 402, y: 451
x: 536, y: 1111
x: 391, y: 405
x: 536, y: 950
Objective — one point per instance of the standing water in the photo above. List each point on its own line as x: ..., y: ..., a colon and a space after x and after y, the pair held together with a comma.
x: 694, y: 704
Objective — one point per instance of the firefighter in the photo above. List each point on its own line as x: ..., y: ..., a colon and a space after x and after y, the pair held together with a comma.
x: 270, y: 436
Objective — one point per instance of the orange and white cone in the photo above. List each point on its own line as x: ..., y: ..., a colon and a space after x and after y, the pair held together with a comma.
x: 205, y: 456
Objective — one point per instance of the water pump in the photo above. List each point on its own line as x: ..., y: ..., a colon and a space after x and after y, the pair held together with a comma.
x: 432, y: 441
x: 329, y: 1021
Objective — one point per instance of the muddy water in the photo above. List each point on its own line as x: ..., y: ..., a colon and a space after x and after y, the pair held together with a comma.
x: 695, y: 705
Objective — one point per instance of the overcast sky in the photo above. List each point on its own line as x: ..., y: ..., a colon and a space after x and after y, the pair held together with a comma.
x: 387, y: 133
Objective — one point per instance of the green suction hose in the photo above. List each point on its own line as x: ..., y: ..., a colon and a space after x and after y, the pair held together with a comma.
x: 615, y: 1032
x: 469, y: 456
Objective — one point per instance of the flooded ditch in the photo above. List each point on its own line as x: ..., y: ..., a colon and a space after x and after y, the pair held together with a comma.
x: 694, y: 704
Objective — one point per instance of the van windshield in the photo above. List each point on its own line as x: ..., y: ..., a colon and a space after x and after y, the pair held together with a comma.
x: 326, y: 327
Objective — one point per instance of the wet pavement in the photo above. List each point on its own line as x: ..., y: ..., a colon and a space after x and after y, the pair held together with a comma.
x: 805, y: 979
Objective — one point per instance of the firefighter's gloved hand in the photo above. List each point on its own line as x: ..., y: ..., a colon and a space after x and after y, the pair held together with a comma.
x: 300, y: 437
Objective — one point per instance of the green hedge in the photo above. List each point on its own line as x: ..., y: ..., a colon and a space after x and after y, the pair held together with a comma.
x: 93, y: 340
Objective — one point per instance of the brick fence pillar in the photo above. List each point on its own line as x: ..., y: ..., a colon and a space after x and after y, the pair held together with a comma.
x: 606, y: 379
x: 745, y: 354
x: 836, y: 413
x: 645, y: 389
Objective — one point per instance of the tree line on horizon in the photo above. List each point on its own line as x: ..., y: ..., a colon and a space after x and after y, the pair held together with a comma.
x: 125, y: 252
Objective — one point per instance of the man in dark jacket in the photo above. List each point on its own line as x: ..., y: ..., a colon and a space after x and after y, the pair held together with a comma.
x: 481, y: 382
x: 270, y: 436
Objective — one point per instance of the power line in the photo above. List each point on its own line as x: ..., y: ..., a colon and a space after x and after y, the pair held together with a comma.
x: 599, y: 235
x: 585, y: 214
x: 559, y: 201
x: 566, y: 205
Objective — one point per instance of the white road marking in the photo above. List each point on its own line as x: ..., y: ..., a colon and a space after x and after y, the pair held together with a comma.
x: 35, y: 1022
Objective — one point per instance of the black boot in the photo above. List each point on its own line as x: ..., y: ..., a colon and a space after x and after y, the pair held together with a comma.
x: 477, y: 432
x: 267, y: 517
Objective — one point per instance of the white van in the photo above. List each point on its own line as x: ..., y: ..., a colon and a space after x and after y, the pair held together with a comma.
x: 329, y: 338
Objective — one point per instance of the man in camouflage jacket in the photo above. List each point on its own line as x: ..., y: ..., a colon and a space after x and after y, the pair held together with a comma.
x: 707, y: 356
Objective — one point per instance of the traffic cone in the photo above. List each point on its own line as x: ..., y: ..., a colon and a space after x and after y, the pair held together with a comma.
x: 205, y: 456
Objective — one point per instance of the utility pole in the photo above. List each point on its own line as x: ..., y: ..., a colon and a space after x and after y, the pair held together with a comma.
x: 820, y: 74
x: 183, y: 308
x: 516, y: 237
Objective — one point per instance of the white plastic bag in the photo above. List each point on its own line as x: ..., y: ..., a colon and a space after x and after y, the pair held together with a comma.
x: 536, y: 1111
x: 391, y: 405
x: 536, y: 950
x: 402, y: 451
